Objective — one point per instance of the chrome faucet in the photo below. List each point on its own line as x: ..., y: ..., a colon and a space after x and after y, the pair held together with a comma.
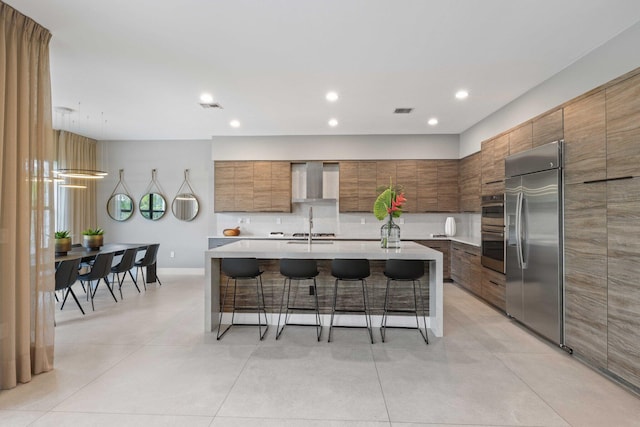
x: 310, y: 222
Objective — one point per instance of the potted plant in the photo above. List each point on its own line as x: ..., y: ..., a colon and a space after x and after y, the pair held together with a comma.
x: 92, y: 238
x: 63, y: 242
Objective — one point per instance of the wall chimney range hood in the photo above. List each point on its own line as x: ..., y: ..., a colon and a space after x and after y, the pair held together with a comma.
x: 312, y: 181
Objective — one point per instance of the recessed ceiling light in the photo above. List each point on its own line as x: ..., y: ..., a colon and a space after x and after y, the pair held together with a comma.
x: 333, y: 123
x: 433, y: 121
x: 206, y: 98
x: 462, y: 94
x: 234, y: 123
x: 332, y: 96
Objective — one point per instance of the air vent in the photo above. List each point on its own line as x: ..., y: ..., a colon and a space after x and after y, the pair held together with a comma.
x: 402, y: 110
x: 211, y: 105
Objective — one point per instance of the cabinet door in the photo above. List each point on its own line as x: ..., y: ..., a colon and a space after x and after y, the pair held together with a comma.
x: 281, y: 186
x: 243, y: 186
x: 407, y: 177
x: 520, y: 139
x: 493, y: 154
x: 623, y: 128
x: 366, y: 185
x: 623, y: 320
x: 469, y: 183
x: 262, y: 186
x: 548, y: 128
x: 385, y: 173
x: 348, y: 186
x: 585, y: 283
x: 427, y: 191
x: 585, y: 139
x: 493, y: 287
x: 447, y: 186
x: 224, y: 187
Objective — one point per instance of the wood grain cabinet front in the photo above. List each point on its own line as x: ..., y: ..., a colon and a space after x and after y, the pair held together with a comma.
x: 465, y: 267
x: 443, y: 246
x: 493, y: 288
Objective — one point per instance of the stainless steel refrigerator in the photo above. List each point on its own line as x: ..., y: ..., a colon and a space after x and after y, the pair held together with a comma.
x: 533, y: 222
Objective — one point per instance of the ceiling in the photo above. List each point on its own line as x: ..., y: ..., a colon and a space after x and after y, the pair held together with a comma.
x: 135, y: 69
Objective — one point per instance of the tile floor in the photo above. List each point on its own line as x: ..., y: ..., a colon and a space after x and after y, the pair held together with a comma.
x: 146, y: 361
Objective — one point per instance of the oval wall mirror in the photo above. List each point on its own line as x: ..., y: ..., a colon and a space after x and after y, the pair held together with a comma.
x: 185, y: 206
x: 120, y: 207
x: 153, y: 206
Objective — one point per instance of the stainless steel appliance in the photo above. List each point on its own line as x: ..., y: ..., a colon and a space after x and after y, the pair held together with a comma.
x: 533, y: 220
x: 492, y: 232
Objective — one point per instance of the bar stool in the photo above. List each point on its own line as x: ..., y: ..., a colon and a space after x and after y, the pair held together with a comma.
x: 351, y: 270
x: 404, y: 270
x: 243, y: 268
x: 298, y: 269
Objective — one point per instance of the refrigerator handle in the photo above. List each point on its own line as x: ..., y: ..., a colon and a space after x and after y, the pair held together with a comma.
x: 519, y: 229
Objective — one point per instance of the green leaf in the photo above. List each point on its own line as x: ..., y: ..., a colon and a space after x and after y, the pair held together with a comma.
x: 382, y: 203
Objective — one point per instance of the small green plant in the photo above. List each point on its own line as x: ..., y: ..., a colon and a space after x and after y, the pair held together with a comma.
x: 93, y: 232
x: 63, y: 234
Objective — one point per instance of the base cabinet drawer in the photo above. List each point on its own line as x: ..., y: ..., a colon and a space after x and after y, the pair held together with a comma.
x: 493, y: 287
x: 465, y: 266
x: 443, y: 246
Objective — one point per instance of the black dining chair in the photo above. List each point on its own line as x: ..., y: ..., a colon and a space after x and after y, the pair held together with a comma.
x: 100, y: 272
x: 404, y: 270
x: 150, y: 257
x: 127, y: 262
x: 66, y: 276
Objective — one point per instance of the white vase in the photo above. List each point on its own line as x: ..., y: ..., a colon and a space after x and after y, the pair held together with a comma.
x: 450, y: 226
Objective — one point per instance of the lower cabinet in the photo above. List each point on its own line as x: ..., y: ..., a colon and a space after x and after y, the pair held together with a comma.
x: 443, y: 246
x: 493, y: 287
x: 465, y: 267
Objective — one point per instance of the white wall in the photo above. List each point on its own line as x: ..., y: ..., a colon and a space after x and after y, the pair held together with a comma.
x: 188, y: 240
x: 613, y: 59
x: 347, y: 147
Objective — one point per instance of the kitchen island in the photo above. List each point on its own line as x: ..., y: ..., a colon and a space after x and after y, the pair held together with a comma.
x: 324, y: 250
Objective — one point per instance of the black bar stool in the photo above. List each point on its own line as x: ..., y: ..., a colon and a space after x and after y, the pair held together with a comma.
x: 298, y: 269
x: 351, y: 270
x: 243, y: 268
x: 404, y: 270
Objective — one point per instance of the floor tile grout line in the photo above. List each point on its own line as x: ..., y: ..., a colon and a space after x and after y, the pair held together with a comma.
x: 384, y: 398
x: 530, y: 387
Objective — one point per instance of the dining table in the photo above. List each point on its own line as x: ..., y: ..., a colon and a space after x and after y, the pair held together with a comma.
x: 86, y: 255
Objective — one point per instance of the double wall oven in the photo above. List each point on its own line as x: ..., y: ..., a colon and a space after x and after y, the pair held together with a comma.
x: 492, y: 229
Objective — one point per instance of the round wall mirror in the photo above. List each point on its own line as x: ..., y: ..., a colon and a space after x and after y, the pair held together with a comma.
x: 120, y: 207
x: 185, y: 206
x: 153, y: 206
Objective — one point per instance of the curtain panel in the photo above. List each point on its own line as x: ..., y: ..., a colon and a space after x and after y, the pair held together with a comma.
x: 27, y: 273
x: 76, y: 208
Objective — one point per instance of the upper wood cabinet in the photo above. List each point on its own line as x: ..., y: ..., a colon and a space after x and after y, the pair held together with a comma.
x: 521, y: 138
x: 469, y: 183
x: 548, y: 128
x: 448, y: 185
x: 623, y: 128
x: 246, y: 186
x: 429, y: 185
x: 493, y: 154
x: 585, y: 139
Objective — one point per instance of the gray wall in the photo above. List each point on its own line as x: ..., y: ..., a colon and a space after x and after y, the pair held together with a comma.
x: 613, y: 59
x: 188, y: 240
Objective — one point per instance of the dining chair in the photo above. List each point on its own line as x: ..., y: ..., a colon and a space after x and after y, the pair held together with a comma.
x: 66, y: 275
x: 149, y: 258
x: 100, y: 272
x: 123, y: 267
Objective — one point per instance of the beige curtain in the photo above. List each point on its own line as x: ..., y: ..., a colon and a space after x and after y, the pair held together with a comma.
x: 26, y: 211
x: 76, y: 207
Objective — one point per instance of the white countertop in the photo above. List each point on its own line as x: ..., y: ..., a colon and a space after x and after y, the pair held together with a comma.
x: 278, y: 248
x: 468, y: 240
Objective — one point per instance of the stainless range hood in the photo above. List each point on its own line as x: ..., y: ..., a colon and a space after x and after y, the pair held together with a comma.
x: 314, y: 181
